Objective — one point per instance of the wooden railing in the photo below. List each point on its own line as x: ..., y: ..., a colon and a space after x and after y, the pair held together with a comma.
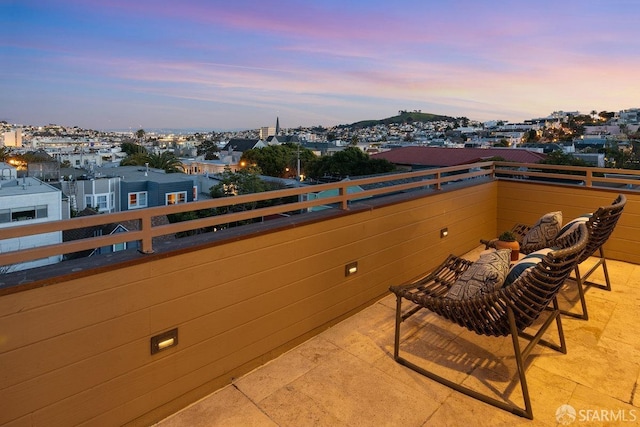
x: 384, y: 185
x: 587, y: 176
x: 433, y: 178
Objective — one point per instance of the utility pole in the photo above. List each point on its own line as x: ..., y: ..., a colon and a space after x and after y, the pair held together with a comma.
x: 298, y: 165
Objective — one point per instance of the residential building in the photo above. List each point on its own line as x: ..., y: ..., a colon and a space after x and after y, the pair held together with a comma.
x: 25, y: 201
x: 266, y: 132
x: 13, y: 138
x: 142, y: 187
x: 237, y: 146
x: 128, y: 187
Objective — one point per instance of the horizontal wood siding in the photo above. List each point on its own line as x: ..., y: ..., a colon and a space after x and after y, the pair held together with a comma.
x: 520, y: 202
x: 78, y: 352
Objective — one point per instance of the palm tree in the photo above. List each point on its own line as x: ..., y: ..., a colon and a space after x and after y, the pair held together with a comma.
x: 4, y: 154
x: 167, y: 161
x: 135, y: 159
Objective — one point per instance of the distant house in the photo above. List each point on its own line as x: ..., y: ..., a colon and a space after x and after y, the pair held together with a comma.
x: 540, y: 147
x: 240, y: 145
x: 283, y: 139
x: 210, y: 167
x: 414, y: 157
x: 590, y: 142
x: 128, y: 187
x: 324, y: 148
x: 29, y: 201
x: 147, y: 187
x: 109, y: 229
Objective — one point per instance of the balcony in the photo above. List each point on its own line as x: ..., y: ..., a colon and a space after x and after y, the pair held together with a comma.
x: 347, y: 376
x: 75, y: 337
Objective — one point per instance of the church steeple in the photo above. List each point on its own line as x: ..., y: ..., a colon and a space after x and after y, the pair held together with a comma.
x: 277, y: 125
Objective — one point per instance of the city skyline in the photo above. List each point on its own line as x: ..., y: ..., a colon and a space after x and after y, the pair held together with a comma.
x: 222, y: 65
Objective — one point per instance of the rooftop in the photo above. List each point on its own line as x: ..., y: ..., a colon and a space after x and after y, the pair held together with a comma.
x: 346, y: 376
x: 24, y: 186
x: 283, y: 290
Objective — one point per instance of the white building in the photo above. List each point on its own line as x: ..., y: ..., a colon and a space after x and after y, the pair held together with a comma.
x: 29, y: 201
x: 13, y: 138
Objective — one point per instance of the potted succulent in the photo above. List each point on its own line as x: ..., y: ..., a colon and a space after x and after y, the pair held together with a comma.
x: 507, y: 240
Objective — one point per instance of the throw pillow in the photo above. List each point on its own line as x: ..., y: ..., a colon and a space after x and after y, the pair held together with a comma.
x: 544, y: 231
x: 483, y: 276
x: 571, y: 225
x: 523, y: 266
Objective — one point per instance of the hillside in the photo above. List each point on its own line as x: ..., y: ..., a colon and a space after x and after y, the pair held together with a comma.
x: 403, y: 117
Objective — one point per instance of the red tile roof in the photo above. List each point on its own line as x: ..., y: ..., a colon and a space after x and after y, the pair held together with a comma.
x: 440, y: 157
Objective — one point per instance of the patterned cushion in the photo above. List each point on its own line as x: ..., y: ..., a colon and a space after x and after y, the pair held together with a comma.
x: 483, y: 276
x: 573, y: 224
x: 524, y: 265
x: 544, y: 231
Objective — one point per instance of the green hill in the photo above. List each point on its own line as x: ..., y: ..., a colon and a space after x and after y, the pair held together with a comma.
x: 402, y: 118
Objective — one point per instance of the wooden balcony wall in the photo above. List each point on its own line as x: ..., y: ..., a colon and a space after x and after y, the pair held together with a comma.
x: 525, y: 202
x: 78, y: 352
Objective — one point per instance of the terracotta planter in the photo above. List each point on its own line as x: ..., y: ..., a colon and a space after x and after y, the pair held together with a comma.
x: 514, y: 246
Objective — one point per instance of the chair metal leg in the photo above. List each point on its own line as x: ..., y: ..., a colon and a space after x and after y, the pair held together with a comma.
x: 520, y: 357
x: 537, y: 338
x: 583, y: 283
x: 583, y: 302
x: 601, y: 262
x: 396, y: 345
x: 528, y: 412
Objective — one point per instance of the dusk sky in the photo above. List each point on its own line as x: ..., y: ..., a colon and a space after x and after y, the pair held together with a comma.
x: 219, y: 65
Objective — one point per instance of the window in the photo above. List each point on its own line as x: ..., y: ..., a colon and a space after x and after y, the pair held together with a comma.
x: 138, y: 200
x: 101, y: 202
x: 42, y: 211
x: 119, y: 246
x: 175, y: 198
x: 24, y: 213
x: 195, y: 193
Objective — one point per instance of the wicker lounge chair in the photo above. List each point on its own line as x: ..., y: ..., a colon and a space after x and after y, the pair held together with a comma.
x: 600, y: 225
x: 508, y: 310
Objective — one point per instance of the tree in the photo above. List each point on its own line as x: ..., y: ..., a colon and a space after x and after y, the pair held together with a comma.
x: 166, y: 161
x: 605, y: 115
x: 244, y: 181
x: 560, y: 158
x: 131, y: 148
x: 4, y: 153
x: 140, y: 134
x: 502, y: 143
x: 209, y: 149
x: 135, y: 159
x: 530, y: 136
x: 349, y: 162
x: 279, y: 160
